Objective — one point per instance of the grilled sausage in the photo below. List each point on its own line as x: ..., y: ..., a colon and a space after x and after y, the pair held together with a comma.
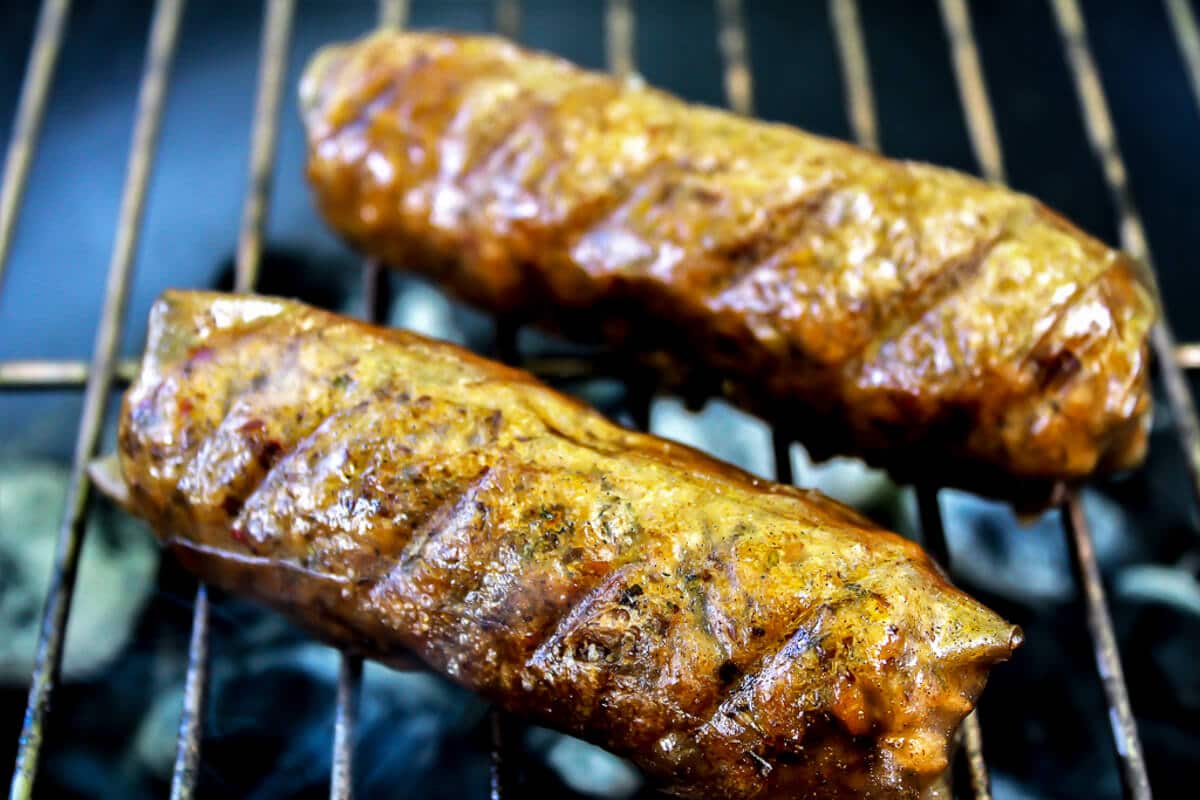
x: 946, y: 329
x: 398, y: 496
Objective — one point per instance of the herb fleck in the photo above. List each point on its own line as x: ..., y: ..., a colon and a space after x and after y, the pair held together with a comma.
x: 630, y: 595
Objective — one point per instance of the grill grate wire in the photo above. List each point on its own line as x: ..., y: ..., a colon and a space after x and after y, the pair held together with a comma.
x: 1098, y: 123
x: 48, y: 658
x: 43, y: 57
x: 856, y: 74
x: 265, y: 129
x: 861, y: 110
x: 1187, y: 36
x: 1100, y: 130
x: 186, y: 771
x: 985, y: 141
x: 968, y: 72
x: 349, y: 690
x: 105, y: 371
x: 393, y: 14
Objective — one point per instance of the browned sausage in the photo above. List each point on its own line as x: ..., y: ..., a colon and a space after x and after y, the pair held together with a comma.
x: 396, y: 495
x: 947, y: 329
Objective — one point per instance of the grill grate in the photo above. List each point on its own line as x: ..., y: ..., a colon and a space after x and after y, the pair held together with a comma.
x: 985, y: 140
x: 1098, y: 123
x: 265, y: 133
x: 52, y: 22
x: 48, y: 658
x: 105, y: 371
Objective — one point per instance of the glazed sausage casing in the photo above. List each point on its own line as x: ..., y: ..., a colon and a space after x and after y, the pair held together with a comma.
x: 949, y: 330
x: 396, y: 495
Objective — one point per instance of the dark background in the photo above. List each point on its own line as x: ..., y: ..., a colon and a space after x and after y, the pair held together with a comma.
x: 1044, y: 717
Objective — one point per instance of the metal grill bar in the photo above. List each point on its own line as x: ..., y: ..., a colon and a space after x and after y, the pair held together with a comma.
x: 507, y: 352
x: 272, y: 68
x: 48, y: 658
x: 972, y: 733
x: 781, y: 447
x: 972, y: 89
x: 1098, y: 123
x: 349, y: 690
x: 933, y: 531
x: 43, y: 57
x: 393, y: 14
x: 264, y: 134
x: 618, y: 37
x: 191, y: 718
x: 376, y: 296
x: 619, y: 47
x: 848, y: 32
x: 1188, y: 356
x: 376, y: 292
x: 1108, y: 659
x: 57, y: 374
x: 34, y: 375
x: 856, y: 73
x: 341, y: 783
x: 508, y: 24
x: 735, y: 52
x: 739, y: 94
x: 508, y: 18
x: 1187, y: 35
x: 985, y: 139
x: 498, y: 762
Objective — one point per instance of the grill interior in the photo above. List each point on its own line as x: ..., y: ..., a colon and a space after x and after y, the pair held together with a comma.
x: 727, y: 79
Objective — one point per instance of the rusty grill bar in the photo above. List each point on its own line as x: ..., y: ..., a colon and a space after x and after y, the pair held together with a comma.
x: 105, y: 370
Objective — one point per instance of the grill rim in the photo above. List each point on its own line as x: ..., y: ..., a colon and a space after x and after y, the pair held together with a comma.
x: 105, y: 370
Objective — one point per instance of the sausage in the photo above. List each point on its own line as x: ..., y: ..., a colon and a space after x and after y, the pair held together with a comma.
x: 951, y: 331
x: 400, y: 496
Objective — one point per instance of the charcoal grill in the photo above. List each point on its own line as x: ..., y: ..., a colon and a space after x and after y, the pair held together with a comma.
x: 97, y: 378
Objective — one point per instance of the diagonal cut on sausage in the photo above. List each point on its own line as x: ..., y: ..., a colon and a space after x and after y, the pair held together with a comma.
x: 398, y: 496
x: 949, y: 330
